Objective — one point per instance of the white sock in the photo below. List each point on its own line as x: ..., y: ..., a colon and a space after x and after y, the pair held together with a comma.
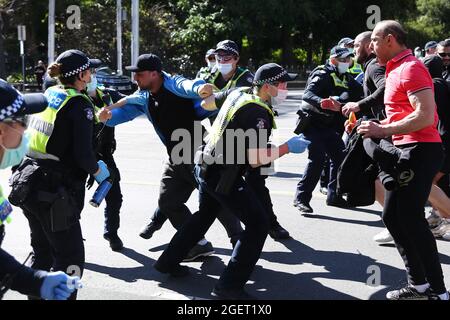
x: 202, y: 242
x: 444, y: 296
x: 422, y: 288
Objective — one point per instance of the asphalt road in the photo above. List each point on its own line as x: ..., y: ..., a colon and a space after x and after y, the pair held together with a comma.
x: 331, y: 254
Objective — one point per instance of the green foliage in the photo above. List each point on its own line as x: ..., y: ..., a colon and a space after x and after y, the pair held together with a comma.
x: 181, y: 31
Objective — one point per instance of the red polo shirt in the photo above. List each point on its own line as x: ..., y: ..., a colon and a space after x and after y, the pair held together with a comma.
x: 406, y: 75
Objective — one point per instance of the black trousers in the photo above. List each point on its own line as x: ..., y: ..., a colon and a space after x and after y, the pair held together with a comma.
x: 404, y: 215
x: 177, y: 184
x: 245, y: 205
x: 61, y: 250
x: 113, y: 199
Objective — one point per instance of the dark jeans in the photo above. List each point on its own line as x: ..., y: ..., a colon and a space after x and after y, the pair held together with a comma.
x: 244, y: 204
x: 177, y: 185
x: 324, y: 142
x: 404, y: 215
x: 113, y: 199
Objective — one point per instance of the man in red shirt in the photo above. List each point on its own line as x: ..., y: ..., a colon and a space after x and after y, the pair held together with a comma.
x: 411, y: 121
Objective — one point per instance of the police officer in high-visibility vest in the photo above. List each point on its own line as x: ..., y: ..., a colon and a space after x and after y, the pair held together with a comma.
x: 13, y: 145
x: 105, y: 145
x: 227, y: 74
x: 210, y: 68
x: 60, y: 158
x: 219, y: 173
x: 327, y: 87
x: 355, y: 68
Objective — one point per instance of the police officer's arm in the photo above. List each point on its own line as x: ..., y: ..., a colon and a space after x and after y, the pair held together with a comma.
x: 24, y: 280
x: 81, y: 113
x: 319, y: 86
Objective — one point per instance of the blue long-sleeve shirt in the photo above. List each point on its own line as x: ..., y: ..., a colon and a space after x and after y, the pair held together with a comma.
x: 175, y: 106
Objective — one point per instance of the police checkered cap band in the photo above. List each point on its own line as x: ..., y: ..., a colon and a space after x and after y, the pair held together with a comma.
x: 272, y: 79
x: 229, y: 49
x: 12, y: 109
x: 77, y: 71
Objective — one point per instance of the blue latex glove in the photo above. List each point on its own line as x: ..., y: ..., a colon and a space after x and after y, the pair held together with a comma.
x: 138, y: 98
x: 297, y: 144
x: 58, y: 286
x: 104, y: 172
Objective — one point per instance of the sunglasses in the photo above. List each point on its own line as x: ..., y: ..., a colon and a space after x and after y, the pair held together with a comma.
x: 444, y: 54
x: 224, y: 58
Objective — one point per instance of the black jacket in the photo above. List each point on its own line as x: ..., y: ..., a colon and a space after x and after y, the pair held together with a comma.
x: 320, y: 85
x: 374, y: 82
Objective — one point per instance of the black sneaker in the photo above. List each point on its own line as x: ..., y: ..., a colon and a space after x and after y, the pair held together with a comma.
x: 303, y: 207
x: 148, y: 230
x: 231, y: 294
x: 323, y: 190
x: 408, y: 293
x: 114, y: 241
x: 199, y: 251
x: 337, y: 202
x: 177, y: 272
x: 277, y: 232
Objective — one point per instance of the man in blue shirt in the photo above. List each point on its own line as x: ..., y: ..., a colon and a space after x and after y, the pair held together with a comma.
x: 172, y: 103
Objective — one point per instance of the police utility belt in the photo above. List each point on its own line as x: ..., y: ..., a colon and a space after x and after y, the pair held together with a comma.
x: 37, y: 181
x: 228, y: 173
x: 310, y: 115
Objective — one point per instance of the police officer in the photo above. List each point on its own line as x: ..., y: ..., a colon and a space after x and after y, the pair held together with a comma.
x: 170, y: 103
x: 205, y: 72
x: 60, y: 158
x: 227, y: 56
x: 14, y: 144
x: 221, y: 183
x: 327, y: 87
x: 355, y: 68
x: 227, y: 74
x: 105, y: 145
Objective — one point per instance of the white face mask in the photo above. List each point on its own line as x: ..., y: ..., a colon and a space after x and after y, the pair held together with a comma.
x: 211, y: 64
x: 224, y: 68
x: 343, y: 67
x: 92, y: 86
x: 280, y: 98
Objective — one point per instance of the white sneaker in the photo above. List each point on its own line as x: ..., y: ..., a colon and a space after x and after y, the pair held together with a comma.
x: 442, y: 229
x: 383, y: 237
x: 434, y: 219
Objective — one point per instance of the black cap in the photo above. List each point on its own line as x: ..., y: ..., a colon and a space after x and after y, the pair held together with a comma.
x: 228, y: 46
x: 339, y: 52
x: 14, y: 104
x: 95, y: 63
x: 73, y: 62
x: 146, y: 62
x: 272, y: 72
x: 430, y: 45
x: 210, y: 52
x: 345, y: 41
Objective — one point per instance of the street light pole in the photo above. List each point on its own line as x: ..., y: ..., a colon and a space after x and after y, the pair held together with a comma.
x: 22, y: 36
x: 51, y: 31
x: 134, y: 31
x: 119, y: 36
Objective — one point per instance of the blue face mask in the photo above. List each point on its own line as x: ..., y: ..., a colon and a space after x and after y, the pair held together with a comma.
x: 12, y: 157
x: 92, y: 86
